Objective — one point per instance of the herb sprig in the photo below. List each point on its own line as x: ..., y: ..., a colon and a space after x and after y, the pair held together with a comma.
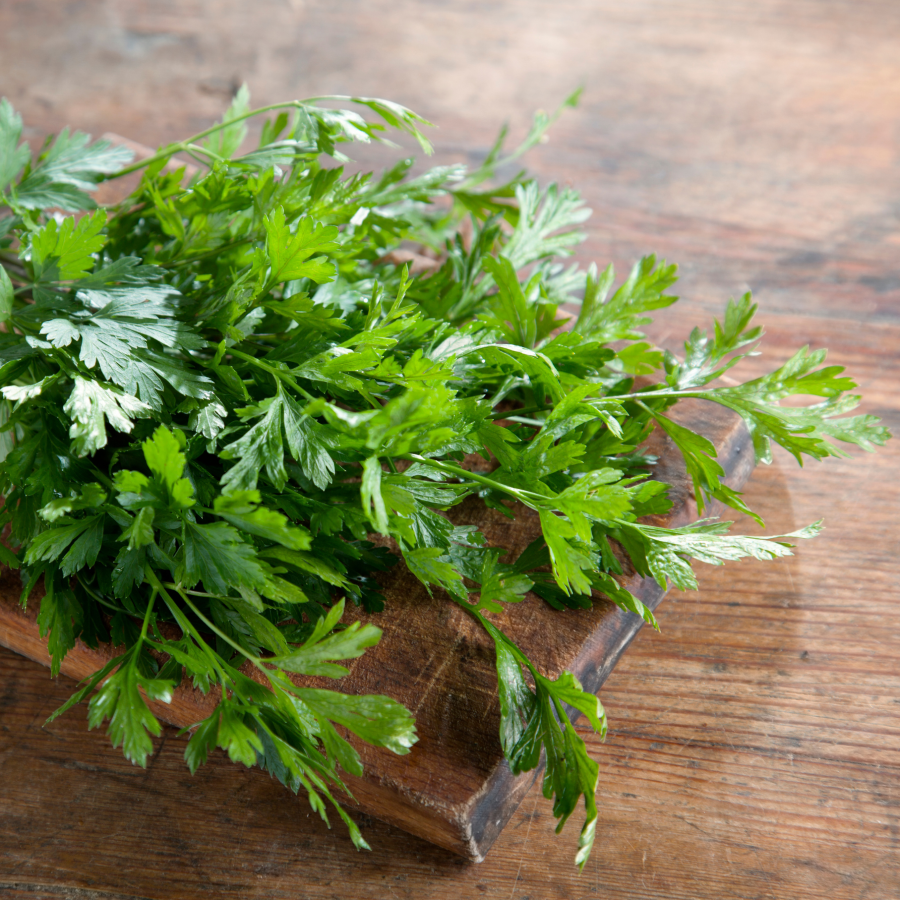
x: 217, y: 390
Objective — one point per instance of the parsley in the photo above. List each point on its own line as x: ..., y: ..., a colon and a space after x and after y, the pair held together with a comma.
x: 216, y: 390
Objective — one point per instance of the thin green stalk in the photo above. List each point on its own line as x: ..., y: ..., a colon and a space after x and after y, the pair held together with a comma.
x: 147, y: 617
x: 218, y: 251
x: 652, y: 395
x: 254, y: 659
x: 186, y: 627
x: 107, y: 482
x: 182, y: 590
x: 460, y: 472
x: 493, y: 631
x: 271, y: 370
x: 186, y: 145
x: 519, y: 412
x: 99, y: 597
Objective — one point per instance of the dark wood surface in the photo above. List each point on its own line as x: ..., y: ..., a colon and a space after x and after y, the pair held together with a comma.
x: 754, y: 749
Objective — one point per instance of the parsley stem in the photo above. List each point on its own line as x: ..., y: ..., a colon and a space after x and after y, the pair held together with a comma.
x: 218, y: 251
x: 460, y: 472
x: 106, y: 481
x: 519, y: 412
x: 496, y: 634
x: 652, y: 395
x: 183, y: 590
x: 186, y: 145
x: 187, y: 628
x: 99, y: 597
x: 278, y: 373
x: 254, y: 659
x: 147, y: 616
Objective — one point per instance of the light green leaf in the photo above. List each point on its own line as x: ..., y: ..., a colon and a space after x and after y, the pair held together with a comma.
x: 6, y: 292
x: 370, y: 491
x: 166, y: 461
x: 225, y: 142
x: 65, y: 252
x: 289, y: 253
x: 216, y: 556
x: 13, y: 155
x: 378, y: 720
x: 131, y: 723
x: 90, y: 406
x: 242, y: 509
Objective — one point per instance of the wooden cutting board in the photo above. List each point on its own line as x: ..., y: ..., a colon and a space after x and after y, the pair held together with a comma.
x: 455, y: 788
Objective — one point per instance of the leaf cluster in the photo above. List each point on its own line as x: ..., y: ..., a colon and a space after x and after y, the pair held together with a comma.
x: 216, y: 391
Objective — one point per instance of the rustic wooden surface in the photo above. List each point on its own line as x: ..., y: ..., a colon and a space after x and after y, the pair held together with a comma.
x: 754, y: 749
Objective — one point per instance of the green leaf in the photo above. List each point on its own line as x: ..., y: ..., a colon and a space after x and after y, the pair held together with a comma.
x: 306, y: 562
x: 65, y: 252
x: 63, y: 174
x: 166, y: 461
x: 432, y: 567
x: 225, y: 142
x: 90, y: 406
x: 699, y: 457
x: 314, y: 657
x: 261, y: 446
x: 801, y: 430
x: 13, y: 155
x: 547, y: 225
x: 49, y: 545
x: 500, y: 583
x: 90, y: 684
x: 140, y: 532
x: 704, y: 359
x: 84, y: 550
x: 242, y: 509
x: 91, y: 496
x: 623, y: 598
x: 120, y: 330
x: 131, y: 722
x: 661, y: 552
x: 398, y: 117
x: 289, y: 253
x: 573, y: 559
x: 512, y: 308
x: 62, y: 616
x: 619, y: 317
x: 216, y: 556
x: 6, y: 296
x: 338, y: 750
x: 536, y: 720
x: 203, y: 740
x: 310, y: 444
x: 378, y: 720
x: 208, y: 419
x: 370, y: 491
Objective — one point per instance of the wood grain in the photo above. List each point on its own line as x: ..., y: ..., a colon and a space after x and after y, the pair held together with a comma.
x: 753, y: 743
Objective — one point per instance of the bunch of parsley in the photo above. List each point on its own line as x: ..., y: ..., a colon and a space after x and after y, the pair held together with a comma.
x: 215, y: 391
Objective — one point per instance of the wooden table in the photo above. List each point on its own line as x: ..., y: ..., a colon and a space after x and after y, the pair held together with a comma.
x: 754, y: 749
